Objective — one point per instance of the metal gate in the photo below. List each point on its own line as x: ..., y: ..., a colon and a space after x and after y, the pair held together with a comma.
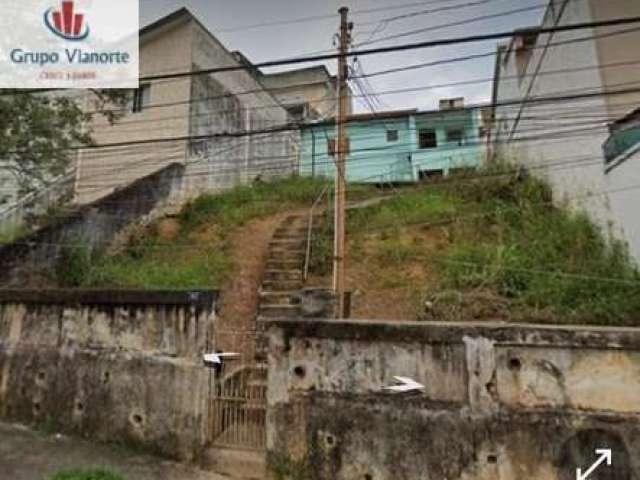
x: 238, y: 407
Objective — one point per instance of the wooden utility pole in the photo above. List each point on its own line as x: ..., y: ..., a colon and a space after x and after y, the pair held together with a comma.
x: 342, y: 148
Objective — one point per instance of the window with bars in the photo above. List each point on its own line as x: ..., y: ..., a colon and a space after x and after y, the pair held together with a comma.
x: 455, y: 136
x: 427, y: 138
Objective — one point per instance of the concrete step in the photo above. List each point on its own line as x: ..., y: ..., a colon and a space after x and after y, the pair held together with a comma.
x: 281, y: 285
x: 284, y: 264
x: 237, y: 464
x: 282, y: 275
x: 295, y: 244
x: 278, y: 311
x: 291, y: 232
x: 282, y: 254
x: 280, y: 298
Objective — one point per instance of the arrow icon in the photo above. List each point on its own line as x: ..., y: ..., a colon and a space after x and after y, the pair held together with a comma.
x: 404, y: 384
x: 605, y: 456
x: 217, y: 358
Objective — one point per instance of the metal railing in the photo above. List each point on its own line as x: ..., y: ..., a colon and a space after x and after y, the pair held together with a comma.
x: 620, y: 142
x: 307, y: 257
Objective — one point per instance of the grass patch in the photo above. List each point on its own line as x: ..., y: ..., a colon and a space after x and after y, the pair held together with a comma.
x: 195, y: 252
x: 94, y: 474
x: 496, y: 243
x: 547, y: 259
x: 419, y: 206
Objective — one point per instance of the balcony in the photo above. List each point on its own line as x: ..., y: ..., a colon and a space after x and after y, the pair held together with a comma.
x: 620, y: 143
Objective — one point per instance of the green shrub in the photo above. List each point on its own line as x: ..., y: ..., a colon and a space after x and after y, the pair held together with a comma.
x: 544, y: 257
x: 74, y: 264
x: 96, y: 474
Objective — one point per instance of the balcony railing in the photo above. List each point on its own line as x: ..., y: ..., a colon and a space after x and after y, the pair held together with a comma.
x: 620, y: 142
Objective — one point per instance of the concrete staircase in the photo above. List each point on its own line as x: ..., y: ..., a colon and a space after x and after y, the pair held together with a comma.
x: 283, y: 277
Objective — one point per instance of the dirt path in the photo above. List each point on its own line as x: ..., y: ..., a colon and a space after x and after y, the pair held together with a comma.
x: 28, y: 455
x: 239, y: 302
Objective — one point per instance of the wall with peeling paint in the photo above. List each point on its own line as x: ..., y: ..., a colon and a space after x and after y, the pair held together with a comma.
x: 114, y: 366
x: 502, y: 402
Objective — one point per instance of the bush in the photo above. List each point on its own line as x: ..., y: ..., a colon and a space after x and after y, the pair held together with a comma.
x: 74, y: 264
x: 544, y: 257
x: 97, y: 474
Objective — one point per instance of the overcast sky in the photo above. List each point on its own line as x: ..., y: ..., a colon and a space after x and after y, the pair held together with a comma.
x: 234, y: 24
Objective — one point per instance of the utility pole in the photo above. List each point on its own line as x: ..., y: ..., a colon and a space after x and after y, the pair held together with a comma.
x: 342, y: 148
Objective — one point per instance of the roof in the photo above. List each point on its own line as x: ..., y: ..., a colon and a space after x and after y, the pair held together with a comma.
x: 382, y: 115
x: 167, y: 20
x: 391, y: 114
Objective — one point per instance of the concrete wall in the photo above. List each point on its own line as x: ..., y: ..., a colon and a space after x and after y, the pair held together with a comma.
x: 33, y: 258
x: 221, y: 104
x: 623, y: 180
x: 501, y: 402
x: 121, y: 367
x: 314, y: 86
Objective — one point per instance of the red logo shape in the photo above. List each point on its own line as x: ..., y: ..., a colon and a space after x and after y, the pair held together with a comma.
x: 66, y: 23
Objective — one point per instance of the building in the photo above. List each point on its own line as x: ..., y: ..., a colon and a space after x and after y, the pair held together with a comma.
x: 175, y: 110
x: 622, y: 176
x: 307, y: 93
x: 590, y: 75
x: 398, y: 146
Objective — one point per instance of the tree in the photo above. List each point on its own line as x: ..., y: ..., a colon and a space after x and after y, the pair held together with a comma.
x: 40, y: 133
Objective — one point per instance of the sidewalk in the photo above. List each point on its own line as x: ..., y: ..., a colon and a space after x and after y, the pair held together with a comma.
x: 28, y: 455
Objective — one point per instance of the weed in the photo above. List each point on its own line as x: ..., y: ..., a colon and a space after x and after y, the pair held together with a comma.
x: 199, y: 255
x: 93, y: 474
x: 544, y: 257
x: 283, y: 467
x: 74, y: 263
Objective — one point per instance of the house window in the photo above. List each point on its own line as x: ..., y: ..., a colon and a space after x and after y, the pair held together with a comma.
x: 297, y: 113
x: 430, y: 174
x: 392, y: 135
x: 427, y: 139
x: 455, y: 136
x: 141, y: 98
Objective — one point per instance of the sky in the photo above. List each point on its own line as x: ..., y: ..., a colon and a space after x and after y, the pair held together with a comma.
x: 239, y: 25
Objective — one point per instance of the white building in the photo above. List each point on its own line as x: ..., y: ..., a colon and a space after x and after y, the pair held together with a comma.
x: 200, y: 106
x: 563, y: 140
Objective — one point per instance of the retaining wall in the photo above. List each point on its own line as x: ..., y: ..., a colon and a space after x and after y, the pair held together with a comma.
x: 92, y: 227
x: 501, y: 402
x: 115, y: 366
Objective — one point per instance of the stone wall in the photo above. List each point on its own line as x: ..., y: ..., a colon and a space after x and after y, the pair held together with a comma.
x: 114, y: 366
x: 501, y: 402
x: 92, y: 227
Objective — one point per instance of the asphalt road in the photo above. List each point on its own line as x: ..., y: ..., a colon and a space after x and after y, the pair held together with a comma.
x: 29, y: 455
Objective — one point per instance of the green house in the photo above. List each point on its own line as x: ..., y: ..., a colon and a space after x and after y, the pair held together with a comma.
x: 397, y: 146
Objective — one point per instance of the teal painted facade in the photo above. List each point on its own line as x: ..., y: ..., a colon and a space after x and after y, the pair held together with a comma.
x: 398, y: 148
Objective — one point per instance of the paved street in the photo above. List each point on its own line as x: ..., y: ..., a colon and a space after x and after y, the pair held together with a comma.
x: 28, y: 455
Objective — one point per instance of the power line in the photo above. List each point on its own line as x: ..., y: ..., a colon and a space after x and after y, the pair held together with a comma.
x: 398, y: 48
x: 294, y: 126
x: 457, y: 23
